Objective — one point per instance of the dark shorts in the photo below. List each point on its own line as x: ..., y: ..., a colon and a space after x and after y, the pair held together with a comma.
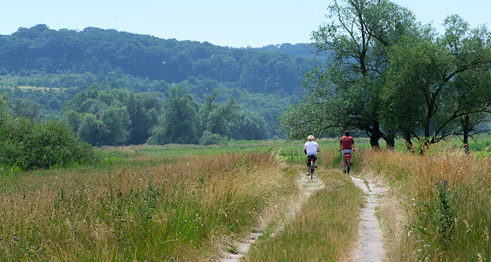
x: 309, y: 157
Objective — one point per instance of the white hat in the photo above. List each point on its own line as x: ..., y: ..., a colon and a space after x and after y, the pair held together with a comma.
x: 311, y: 137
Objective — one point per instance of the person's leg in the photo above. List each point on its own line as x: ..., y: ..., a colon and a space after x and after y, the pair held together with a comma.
x: 308, y: 166
x: 343, y: 152
x: 343, y: 160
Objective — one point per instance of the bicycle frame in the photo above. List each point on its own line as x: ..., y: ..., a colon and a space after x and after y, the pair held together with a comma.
x: 311, y: 167
x: 347, y: 157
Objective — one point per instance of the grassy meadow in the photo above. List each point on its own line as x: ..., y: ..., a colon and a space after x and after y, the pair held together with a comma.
x: 191, y: 203
x: 324, y: 229
x: 439, y: 204
x: 140, y: 204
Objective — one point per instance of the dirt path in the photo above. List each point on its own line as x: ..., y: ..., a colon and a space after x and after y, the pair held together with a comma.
x: 370, y: 247
x: 307, y: 188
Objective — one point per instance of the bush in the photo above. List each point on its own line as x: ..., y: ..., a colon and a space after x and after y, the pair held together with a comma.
x: 158, y: 137
x: 29, y: 145
x: 209, y: 138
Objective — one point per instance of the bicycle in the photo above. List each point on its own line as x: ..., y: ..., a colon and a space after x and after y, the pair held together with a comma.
x: 347, y: 157
x: 311, y: 167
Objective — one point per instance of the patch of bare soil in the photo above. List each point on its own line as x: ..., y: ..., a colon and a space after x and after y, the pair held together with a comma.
x: 370, y: 241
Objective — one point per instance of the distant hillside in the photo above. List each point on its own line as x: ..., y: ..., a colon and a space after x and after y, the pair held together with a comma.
x: 42, y: 50
x: 50, y: 67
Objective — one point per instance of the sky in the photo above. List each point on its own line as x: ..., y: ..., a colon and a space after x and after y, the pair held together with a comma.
x: 251, y: 23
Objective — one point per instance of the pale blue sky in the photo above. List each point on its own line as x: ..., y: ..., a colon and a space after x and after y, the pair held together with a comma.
x: 221, y: 22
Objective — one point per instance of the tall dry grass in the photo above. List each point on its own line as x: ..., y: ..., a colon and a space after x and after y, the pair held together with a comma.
x: 323, y: 230
x: 184, y: 210
x: 445, y: 197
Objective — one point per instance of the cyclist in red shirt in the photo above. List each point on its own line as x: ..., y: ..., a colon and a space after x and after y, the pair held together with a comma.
x: 346, y: 145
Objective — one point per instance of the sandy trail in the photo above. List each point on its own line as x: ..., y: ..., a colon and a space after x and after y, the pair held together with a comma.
x: 307, y: 188
x: 370, y: 247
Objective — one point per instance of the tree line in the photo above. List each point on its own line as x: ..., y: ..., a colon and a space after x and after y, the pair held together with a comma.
x: 120, y: 117
x: 51, y: 101
x: 389, y: 75
x: 62, y: 63
x: 101, y: 116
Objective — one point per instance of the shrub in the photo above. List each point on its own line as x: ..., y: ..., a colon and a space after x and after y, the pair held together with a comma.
x: 158, y: 137
x: 29, y: 145
x: 209, y: 138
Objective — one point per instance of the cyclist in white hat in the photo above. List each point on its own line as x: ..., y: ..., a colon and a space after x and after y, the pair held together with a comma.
x: 310, y: 149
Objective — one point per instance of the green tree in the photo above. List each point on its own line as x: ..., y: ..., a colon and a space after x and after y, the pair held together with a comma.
x: 472, y: 91
x: 429, y: 83
x: 249, y: 126
x: 205, y: 111
x: 116, y: 122
x: 74, y: 119
x: 216, y: 118
x: 93, y: 130
x: 221, y: 117
x: 179, y: 121
x: 311, y: 114
x: 25, y: 108
x: 357, y: 36
x: 125, y: 117
x: 140, y: 118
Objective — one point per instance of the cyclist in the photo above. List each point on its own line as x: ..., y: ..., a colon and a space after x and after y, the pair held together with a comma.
x: 346, y: 145
x: 310, y: 149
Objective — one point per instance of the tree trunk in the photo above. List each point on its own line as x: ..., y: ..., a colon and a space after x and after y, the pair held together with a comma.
x: 407, y: 138
x: 375, y: 135
x: 374, y: 138
x: 390, y: 140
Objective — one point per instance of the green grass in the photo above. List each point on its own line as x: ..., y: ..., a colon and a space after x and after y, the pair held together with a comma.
x: 189, y: 202
x: 182, y: 209
x: 444, y: 197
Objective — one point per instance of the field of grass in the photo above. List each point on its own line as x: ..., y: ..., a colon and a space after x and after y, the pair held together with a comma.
x: 139, y: 205
x: 445, y: 200
x: 324, y: 229
x: 189, y: 202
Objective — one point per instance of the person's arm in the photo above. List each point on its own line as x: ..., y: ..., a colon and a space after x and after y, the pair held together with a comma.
x: 353, y: 145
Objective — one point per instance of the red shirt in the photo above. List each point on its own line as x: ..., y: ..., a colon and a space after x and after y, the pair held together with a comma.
x: 346, y: 142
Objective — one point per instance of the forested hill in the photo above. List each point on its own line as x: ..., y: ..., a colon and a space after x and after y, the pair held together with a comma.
x: 43, y: 71
x: 273, y: 69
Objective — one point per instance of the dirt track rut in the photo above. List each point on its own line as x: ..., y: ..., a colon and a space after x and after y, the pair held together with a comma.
x: 370, y: 247
x: 307, y: 188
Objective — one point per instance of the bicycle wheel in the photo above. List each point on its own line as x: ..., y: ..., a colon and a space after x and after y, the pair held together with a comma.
x: 347, y: 167
x: 312, y: 169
